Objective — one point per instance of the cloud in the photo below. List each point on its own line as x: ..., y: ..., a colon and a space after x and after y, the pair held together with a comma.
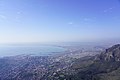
x: 70, y: 23
x: 18, y: 16
x: 19, y: 12
x: 2, y: 16
x: 88, y: 19
x: 108, y: 10
x: 105, y: 11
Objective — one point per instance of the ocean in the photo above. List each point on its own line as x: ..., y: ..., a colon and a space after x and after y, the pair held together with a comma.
x: 37, y: 50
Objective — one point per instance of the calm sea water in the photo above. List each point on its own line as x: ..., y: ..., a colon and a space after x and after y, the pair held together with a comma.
x: 41, y: 50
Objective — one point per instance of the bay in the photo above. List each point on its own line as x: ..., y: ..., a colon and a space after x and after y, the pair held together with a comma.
x: 39, y: 50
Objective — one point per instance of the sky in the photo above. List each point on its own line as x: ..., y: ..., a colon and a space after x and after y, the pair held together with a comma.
x: 59, y: 20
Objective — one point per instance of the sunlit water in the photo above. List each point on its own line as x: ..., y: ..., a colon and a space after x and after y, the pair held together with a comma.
x: 30, y: 50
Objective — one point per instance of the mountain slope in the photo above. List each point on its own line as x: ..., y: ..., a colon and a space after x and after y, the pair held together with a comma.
x: 105, y: 66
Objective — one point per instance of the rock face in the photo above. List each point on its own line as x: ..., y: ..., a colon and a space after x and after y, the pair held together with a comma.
x: 111, y: 54
x: 105, y: 66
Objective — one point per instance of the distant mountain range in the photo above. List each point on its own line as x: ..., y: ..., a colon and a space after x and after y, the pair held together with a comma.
x: 104, y: 66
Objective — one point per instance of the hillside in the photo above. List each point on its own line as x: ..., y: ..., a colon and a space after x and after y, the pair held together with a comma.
x: 104, y: 66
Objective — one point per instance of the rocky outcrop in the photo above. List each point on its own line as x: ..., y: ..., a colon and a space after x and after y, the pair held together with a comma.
x: 110, y: 54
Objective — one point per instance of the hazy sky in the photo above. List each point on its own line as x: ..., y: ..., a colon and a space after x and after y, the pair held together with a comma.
x: 59, y: 20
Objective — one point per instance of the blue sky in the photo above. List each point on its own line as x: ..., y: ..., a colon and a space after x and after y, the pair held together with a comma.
x: 59, y: 20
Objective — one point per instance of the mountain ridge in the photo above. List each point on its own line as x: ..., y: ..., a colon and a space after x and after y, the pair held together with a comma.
x: 105, y: 63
